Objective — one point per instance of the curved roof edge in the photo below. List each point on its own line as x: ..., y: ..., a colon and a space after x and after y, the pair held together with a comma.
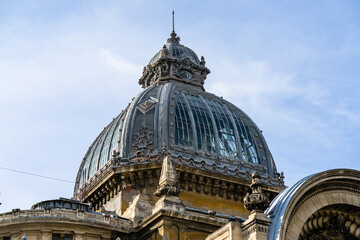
x: 282, y: 206
x: 279, y: 205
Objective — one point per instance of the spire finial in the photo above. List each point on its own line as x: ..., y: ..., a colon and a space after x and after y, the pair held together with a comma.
x: 174, y: 38
x: 173, y: 21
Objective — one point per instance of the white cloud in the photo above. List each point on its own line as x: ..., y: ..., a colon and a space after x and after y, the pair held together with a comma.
x: 117, y: 62
x: 348, y: 114
x: 252, y: 80
x: 279, y: 101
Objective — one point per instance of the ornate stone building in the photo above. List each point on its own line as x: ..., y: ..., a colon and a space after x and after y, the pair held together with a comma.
x: 182, y: 163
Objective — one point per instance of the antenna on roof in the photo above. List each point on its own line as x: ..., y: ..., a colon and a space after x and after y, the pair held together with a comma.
x: 173, y: 21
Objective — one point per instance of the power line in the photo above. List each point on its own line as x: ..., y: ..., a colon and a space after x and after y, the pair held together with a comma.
x: 36, y: 175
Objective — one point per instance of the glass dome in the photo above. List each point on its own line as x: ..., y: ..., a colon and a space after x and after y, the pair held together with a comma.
x: 174, y: 111
x: 191, y: 123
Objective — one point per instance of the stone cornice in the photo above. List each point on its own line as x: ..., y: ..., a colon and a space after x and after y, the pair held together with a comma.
x: 141, y: 172
x: 188, y: 216
x: 134, y: 163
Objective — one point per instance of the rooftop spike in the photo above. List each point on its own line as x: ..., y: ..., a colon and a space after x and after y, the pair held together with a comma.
x: 173, y: 21
x: 173, y: 36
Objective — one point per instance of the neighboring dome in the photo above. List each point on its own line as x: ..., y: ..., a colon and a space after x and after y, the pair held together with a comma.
x: 174, y: 113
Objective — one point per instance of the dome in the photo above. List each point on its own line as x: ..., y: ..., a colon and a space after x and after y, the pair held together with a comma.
x: 176, y: 114
x: 175, y: 50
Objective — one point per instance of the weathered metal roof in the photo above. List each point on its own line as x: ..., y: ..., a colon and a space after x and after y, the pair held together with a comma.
x: 175, y: 111
x: 191, y: 123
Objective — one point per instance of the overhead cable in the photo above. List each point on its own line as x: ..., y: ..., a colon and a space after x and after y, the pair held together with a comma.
x: 36, y: 175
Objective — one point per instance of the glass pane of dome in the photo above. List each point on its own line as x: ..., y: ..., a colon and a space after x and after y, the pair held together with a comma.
x: 104, y: 156
x: 225, y: 128
x: 203, y: 124
x: 183, y: 127
x: 94, y: 159
x: 181, y: 52
x: 248, y: 150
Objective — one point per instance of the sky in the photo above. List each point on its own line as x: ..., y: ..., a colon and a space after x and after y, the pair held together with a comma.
x: 68, y: 67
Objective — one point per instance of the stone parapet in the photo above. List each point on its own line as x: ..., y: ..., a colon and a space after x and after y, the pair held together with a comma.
x: 18, y: 219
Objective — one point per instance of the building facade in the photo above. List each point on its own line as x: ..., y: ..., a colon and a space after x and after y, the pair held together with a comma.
x: 182, y: 163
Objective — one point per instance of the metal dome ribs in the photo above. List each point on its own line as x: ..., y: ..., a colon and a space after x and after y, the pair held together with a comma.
x: 174, y: 113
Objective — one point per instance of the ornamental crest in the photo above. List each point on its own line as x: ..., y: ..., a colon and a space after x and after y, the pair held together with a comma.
x: 142, y: 139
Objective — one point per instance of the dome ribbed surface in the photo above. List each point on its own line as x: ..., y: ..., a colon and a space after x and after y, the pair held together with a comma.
x: 191, y: 123
x: 178, y: 51
x: 175, y: 115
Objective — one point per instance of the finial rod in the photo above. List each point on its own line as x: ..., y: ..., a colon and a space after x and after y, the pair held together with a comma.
x: 173, y: 13
x: 173, y: 36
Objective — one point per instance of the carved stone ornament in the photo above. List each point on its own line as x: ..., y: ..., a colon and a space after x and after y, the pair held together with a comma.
x: 170, y: 68
x: 331, y: 225
x: 167, y: 189
x: 108, y: 213
x: 142, y: 140
x: 257, y: 200
x: 168, y: 180
x: 147, y: 105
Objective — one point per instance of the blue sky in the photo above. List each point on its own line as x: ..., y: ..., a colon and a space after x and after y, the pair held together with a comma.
x: 68, y: 67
